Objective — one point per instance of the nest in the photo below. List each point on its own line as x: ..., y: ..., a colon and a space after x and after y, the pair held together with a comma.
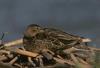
x: 77, y: 56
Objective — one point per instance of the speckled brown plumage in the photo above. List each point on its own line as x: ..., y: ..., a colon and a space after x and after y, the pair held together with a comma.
x: 37, y: 38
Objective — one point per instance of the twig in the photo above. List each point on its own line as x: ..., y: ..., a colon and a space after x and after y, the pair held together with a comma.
x: 18, y: 65
x: 2, y: 58
x: 40, y: 61
x: 81, y: 55
x: 4, y: 51
x: 73, y: 49
x: 59, y: 56
x: 74, y: 58
x: 68, y: 51
x: 86, y: 40
x: 10, y: 56
x: 78, y: 64
x: 23, y: 52
x: 13, y: 43
x: 82, y: 61
x: 63, y: 61
x: 30, y: 60
x: 13, y: 60
x: 94, y: 48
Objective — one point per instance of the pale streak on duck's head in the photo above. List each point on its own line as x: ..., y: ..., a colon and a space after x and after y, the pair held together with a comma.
x: 32, y: 30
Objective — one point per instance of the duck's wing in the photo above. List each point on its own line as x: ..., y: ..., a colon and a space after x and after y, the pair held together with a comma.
x: 60, y: 34
x: 64, y: 37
